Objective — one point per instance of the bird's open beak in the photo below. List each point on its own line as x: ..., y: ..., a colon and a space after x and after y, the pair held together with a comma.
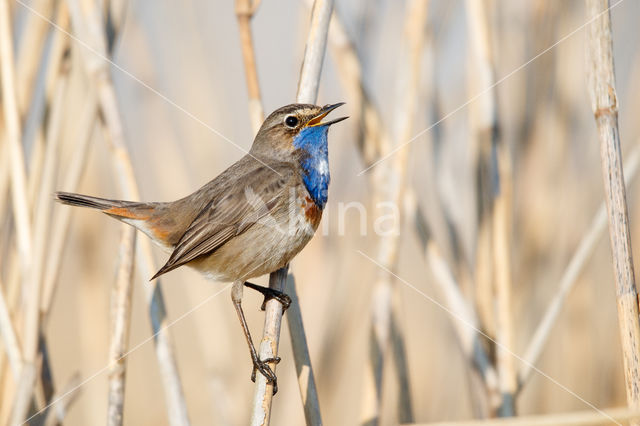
x: 317, y: 120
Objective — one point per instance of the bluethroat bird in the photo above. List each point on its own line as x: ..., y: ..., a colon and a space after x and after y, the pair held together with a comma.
x: 250, y: 220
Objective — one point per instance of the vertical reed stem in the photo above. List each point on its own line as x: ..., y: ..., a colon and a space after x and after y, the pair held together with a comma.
x: 390, y: 184
x: 268, y: 348
x: 9, y: 339
x: 14, y: 139
x: 244, y: 13
x: 89, y: 27
x: 120, y: 325
x: 601, y: 87
x: 493, y: 251
x: 307, y: 93
x: 306, y: 379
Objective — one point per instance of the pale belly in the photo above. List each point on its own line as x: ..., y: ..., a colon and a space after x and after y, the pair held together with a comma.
x: 263, y: 248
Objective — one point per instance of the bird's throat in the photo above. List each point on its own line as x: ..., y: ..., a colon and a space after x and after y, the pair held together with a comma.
x: 312, y: 141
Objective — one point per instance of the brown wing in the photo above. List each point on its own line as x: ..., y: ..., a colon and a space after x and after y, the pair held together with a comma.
x: 248, y: 197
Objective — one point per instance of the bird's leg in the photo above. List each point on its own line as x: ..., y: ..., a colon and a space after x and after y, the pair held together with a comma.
x: 271, y: 293
x: 258, y: 365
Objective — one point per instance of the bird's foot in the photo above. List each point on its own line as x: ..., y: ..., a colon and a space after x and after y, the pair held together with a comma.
x: 263, y: 367
x: 270, y: 293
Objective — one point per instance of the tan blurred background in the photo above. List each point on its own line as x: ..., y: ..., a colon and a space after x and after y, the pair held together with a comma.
x: 190, y: 53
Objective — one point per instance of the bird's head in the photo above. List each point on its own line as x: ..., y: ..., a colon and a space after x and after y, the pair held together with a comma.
x: 294, y: 128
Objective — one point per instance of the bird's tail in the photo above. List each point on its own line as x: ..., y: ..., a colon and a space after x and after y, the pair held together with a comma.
x: 142, y: 216
x: 80, y: 200
x: 115, y: 208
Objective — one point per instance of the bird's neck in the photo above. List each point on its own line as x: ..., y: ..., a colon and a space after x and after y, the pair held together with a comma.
x: 312, y: 142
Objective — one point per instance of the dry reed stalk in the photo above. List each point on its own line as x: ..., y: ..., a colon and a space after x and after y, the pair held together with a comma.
x: 493, y: 251
x: 120, y: 324
x: 571, y: 273
x: 372, y: 142
x: 88, y: 24
x: 601, y: 87
x: 56, y: 51
x: 464, y: 318
x: 44, y: 204
x: 244, y: 12
x: 42, y: 166
x: 307, y: 93
x: 36, y: 159
x: 31, y: 277
x: 30, y: 51
x: 268, y: 348
x: 304, y: 371
x: 389, y: 183
x: 578, y: 418
x: 31, y: 311
x: 314, y: 52
x: 502, y: 229
x: 5, y: 227
x: 58, y: 47
x: 61, y: 218
x: 14, y: 140
x: 399, y: 352
x: 5, y: 177
x: 485, y: 141
x: 9, y: 339
x: 60, y: 44
x: 372, y: 137
x: 55, y: 414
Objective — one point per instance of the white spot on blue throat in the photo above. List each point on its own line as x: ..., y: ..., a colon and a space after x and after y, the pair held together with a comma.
x: 315, y: 162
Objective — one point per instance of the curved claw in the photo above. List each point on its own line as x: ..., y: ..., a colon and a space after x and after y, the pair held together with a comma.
x: 270, y: 293
x: 263, y: 367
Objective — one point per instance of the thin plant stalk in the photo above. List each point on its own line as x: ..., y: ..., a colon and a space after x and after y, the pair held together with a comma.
x: 58, y: 47
x: 601, y: 87
x: 54, y: 66
x: 30, y: 50
x: 304, y: 371
x: 466, y: 321
x: 14, y: 139
x: 9, y: 339
x: 372, y: 142
x: 307, y: 93
x: 41, y: 181
x: 493, y: 263
x: 55, y: 414
x: 268, y: 348
x: 90, y: 29
x: 37, y: 158
x: 62, y: 217
x: 373, y: 138
x: 245, y: 10
x: 390, y: 180
x: 31, y: 321
x: 120, y: 325
x: 314, y: 52
x: 570, y: 276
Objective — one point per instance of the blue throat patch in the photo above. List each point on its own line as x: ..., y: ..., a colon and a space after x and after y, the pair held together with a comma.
x: 315, y: 162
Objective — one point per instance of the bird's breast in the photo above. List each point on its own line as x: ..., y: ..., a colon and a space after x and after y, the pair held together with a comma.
x: 312, y: 213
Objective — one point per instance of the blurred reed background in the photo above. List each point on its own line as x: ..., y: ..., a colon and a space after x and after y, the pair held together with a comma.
x: 178, y: 86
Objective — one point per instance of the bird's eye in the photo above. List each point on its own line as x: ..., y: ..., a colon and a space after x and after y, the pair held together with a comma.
x: 291, y: 121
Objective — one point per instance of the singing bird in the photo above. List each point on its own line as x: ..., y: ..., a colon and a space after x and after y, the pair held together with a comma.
x: 250, y: 220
